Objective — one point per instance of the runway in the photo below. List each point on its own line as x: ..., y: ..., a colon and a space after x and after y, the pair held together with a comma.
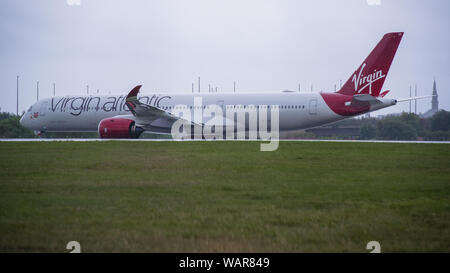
x: 164, y: 140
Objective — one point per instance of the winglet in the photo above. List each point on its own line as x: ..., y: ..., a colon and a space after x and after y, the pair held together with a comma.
x: 134, y: 91
x: 131, y: 100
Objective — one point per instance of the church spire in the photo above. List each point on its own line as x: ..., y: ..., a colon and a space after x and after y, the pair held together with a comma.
x: 434, y: 100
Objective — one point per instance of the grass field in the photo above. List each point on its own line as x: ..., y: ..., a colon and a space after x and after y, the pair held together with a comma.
x: 224, y: 197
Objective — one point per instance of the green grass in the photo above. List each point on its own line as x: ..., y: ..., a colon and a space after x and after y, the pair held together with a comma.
x: 224, y: 197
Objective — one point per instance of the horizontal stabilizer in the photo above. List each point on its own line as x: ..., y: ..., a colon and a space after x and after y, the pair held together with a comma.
x: 363, y: 100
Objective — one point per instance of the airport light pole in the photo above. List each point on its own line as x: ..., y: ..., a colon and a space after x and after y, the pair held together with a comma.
x: 37, y: 91
x: 54, y: 89
x: 17, y: 96
x: 410, y: 94
x: 415, y: 101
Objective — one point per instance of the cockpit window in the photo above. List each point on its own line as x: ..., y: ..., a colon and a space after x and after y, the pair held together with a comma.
x: 29, y: 109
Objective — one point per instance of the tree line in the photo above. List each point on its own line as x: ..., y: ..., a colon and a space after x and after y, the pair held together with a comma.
x: 406, y: 126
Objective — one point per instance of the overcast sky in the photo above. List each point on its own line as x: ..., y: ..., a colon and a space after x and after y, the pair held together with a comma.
x: 263, y: 45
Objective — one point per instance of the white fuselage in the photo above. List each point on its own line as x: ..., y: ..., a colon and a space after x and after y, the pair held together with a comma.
x: 84, y: 113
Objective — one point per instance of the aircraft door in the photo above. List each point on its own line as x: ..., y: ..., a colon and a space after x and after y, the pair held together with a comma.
x: 313, y: 107
x: 43, y: 108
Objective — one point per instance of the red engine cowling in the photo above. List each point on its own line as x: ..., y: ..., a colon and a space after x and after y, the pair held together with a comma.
x: 119, y: 128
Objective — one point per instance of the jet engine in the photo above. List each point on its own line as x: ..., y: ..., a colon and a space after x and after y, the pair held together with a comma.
x: 119, y: 128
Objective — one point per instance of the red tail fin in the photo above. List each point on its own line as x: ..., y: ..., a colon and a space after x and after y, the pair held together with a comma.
x: 370, y: 76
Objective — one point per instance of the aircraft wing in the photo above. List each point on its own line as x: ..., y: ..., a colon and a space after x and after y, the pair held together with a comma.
x: 148, y: 116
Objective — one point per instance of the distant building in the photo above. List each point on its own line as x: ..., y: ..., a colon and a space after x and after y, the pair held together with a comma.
x: 434, y: 103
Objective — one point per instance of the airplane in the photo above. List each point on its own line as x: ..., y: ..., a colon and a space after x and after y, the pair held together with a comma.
x: 119, y: 116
